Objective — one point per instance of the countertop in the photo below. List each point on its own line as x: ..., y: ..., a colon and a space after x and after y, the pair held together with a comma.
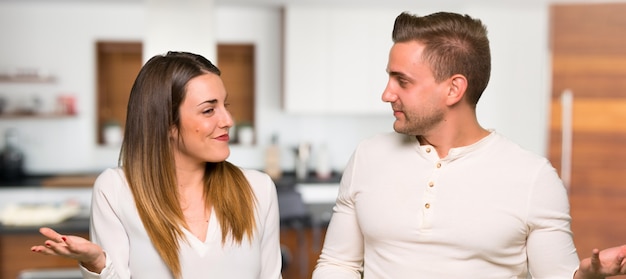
x: 72, y: 225
x: 288, y: 179
x: 294, y: 206
x: 47, y: 195
x: 52, y: 180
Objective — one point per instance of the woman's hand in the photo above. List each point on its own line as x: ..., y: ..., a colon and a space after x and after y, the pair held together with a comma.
x: 89, y: 254
x: 605, y: 263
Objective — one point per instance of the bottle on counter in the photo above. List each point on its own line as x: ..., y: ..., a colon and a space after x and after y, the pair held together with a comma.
x: 303, y: 153
x: 272, y: 159
x: 323, y: 170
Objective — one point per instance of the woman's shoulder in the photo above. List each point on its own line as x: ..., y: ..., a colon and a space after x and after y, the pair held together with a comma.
x: 110, y: 177
x: 260, y: 182
x: 256, y: 176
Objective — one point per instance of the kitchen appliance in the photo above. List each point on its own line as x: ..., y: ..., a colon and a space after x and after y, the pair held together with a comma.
x: 11, y: 158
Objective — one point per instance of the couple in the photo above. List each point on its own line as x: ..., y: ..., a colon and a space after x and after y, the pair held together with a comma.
x: 440, y: 198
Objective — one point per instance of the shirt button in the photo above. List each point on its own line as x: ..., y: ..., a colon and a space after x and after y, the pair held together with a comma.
x: 428, y: 150
x: 427, y: 205
x: 438, y: 165
x: 431, y: 184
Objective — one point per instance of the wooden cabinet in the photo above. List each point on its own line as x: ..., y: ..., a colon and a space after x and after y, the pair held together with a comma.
x: 302, y: 247
x: 15, y: 254
x: 335, y: 59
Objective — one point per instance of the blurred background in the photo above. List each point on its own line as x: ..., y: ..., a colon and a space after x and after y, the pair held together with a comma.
x: 305, y: 79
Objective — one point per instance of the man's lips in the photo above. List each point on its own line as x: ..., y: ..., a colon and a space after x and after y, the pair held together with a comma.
x: 397, y: 111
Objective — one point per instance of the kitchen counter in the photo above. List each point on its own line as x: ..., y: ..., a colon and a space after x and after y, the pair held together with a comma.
x: 306, y: 202
x: 26, y: 181
x: 73, y: 225
x: 304, y: 218
x: 296, y: 201
x: 52, y: 180
x: 36, y: 195
x: 289, y: 180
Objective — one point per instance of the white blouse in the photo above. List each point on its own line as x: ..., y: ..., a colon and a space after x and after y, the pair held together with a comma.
x: 117, y: 228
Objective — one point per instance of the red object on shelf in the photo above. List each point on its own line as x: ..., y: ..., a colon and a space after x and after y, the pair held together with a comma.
x: 67, y: 104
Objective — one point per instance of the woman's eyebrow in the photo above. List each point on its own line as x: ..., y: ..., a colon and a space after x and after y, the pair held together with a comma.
x: 212, y: 101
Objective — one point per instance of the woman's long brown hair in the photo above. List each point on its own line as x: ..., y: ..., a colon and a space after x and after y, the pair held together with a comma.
x: 148, y: 162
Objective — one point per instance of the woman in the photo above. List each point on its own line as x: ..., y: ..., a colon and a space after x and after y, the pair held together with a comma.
x: 175, y: 208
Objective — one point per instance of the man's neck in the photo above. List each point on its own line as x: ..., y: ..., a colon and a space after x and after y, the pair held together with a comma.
x: 443, y: 142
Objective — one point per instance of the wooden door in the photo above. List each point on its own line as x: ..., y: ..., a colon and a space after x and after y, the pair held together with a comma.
x: 588, y: 44
x: 118, y: 65
x: 236, y: 62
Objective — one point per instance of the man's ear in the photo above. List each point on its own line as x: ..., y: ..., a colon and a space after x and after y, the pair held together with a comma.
x: 458, y: 85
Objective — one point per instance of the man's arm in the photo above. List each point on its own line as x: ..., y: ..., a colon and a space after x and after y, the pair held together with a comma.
x: 342, y: 254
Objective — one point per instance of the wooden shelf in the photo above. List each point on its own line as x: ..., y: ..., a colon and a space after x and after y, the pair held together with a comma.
x: 35, y: 116
x: 27, y: 79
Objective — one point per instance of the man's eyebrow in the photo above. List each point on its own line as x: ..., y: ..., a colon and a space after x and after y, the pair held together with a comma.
x: 397, y: 74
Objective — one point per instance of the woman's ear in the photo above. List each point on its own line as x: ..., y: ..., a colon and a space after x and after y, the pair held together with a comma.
x: 173, y: 132
x: 458, y: 85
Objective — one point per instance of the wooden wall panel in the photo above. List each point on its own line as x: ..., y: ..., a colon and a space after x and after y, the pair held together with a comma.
x: 593, y: 115
x: 589, y: 58
x: 588, y: 28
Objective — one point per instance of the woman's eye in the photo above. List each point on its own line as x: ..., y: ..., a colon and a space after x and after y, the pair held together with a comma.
x: 207, y: 111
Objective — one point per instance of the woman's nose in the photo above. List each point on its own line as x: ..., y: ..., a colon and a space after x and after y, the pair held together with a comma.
x: 226, y: 120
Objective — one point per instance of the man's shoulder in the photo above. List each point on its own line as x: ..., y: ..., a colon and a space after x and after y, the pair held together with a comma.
x: 510, y: 149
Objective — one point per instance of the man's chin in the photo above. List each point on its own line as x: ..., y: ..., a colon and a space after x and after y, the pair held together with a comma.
x: 399, y: 128
x: 402, y: 129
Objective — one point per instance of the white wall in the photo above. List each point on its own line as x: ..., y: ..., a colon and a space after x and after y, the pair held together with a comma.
x: 60, y: 37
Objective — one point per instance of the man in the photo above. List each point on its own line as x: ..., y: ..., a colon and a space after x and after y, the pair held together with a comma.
x: 444, y: 197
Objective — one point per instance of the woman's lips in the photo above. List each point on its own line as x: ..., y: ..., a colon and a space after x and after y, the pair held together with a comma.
x: 223, y: 137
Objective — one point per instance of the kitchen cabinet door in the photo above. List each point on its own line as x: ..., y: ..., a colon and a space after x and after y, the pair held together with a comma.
x: 335, y: 59
x: 306, y: 60
x: 15, y: 254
